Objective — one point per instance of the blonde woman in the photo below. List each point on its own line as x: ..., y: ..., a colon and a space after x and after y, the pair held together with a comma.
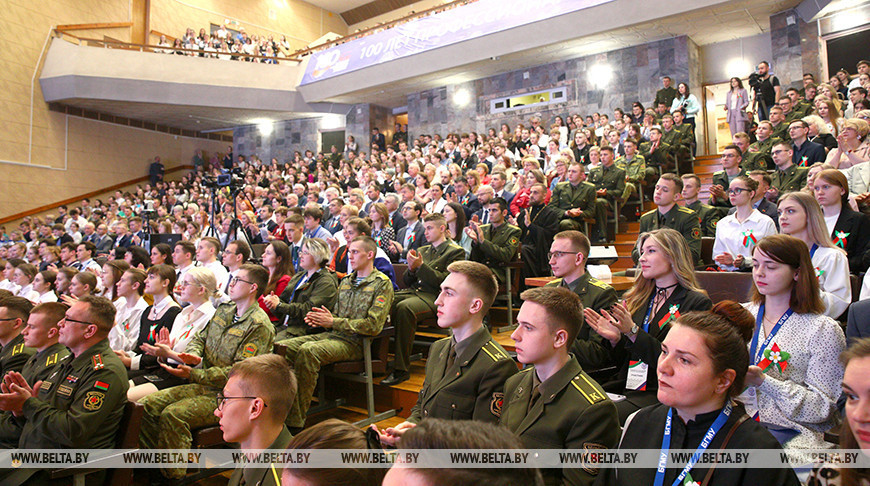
x: 198, y: 286
x: 634, y: 329
x: 801, y: 216
x: 820, y: 133
x: 853, y: 147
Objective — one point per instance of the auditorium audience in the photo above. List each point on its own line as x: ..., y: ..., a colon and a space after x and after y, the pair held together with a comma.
x: 850, y: 230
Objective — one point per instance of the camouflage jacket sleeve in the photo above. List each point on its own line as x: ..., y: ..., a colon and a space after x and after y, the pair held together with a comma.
x: 257, y: 340
x: 500, y: 253
x: 377, y: 311
x: 636, y: 171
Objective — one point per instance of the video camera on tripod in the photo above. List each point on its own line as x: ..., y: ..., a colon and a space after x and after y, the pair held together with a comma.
x: 227, y: 178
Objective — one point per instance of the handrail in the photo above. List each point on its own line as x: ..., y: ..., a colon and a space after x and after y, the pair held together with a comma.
x: 151, y: 47
x: 71, y: 200
x: 101, y: 25
x: 158, y: 33
x: 385, y: 25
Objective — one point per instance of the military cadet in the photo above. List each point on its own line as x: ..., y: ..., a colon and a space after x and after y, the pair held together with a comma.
x: 634, y: 165
x: 568, y: 255
x: 708, y: 216
x: 14, y: 312
x: 494, y: 244
x: 554, y: 404
x: 80, y: 404
x: 668, y: 215
x: 656, y: 153
x: 239, y: 329
x: 40, y: 333
x: 751, y: 160
x: 538, y: 223
x: 788, y: 177
x: 764, y: 140
x: 574, y: 198
x: 427, y: 268
x: 364, y: 298
x: 722, y: 179
x: 687, y: 131
x: 670, y: 135
x: 789, y: 114
x: 465, y: 373
x: 251, y: 408
x: 609, y: 182
x: 778, y: 125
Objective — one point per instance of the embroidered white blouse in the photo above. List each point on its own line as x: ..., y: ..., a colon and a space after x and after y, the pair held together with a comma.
x: 832, y: 269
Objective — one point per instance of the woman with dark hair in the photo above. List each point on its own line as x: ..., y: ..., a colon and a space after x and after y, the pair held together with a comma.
x: 277, y: 259
x: 161, y: 253
x: 382, y: 232
x: 456, y: 222
x: 736, y: 102
x: 43, y: 283
x: 665, y: 289
x: 687, y: 103
x: 332, y: 434
x: 701, y: 369
x: 637, y: 111
x: 850, y: 230
x: 855, y: 431
x: 110, y: 276
x: 794, y: 376
x: 313, y: 286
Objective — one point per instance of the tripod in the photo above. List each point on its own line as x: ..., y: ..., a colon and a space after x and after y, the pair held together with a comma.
x: 235, y: 224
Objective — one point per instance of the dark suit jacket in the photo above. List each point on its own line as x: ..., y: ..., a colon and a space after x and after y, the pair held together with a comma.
x: 419, y: 239
x: 470, y: 206
x: 858, y: 323
x: 124, y: 241
x: 332, y: 225
x: 855, y: 228
x: 104, y: 244
x: 380, y: 140
x: 397, y: 221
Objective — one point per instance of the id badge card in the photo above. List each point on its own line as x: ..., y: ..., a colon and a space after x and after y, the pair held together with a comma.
x: 637, y: 375
x: 749, y: 397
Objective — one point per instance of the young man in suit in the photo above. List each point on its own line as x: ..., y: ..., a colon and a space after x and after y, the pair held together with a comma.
x: 412, y: 236
x: 554, y: 404
x: 469, y: 364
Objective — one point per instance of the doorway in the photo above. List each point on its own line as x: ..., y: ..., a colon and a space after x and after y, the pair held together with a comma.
x: 718, y: 134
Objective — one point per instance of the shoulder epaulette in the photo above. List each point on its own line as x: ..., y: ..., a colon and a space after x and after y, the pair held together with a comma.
x: 455, y: 244
x: 599, y: 283
x: 524, y: 370
x: 382, y: 275
x: 513, y: 226
x: 589, y: 389
x: 17, y: 349
x: 485, y: 225
x: 554, y: 283
x: 649, y: 212
x: 685, y: 210
x: 719, y: 172
x: 493, y: 351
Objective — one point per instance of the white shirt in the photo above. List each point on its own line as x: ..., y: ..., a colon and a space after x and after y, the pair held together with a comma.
x: 49, y: 296
x: 832, y: 268
x: 8, y: 285
x: 220, y: 273
x: 831, y: 221
x: 189, y: 322
x: 176, y: 292
x: 731, y: 233
x: 128, y: 322
x: 436, y: 206
x: 28, y: 293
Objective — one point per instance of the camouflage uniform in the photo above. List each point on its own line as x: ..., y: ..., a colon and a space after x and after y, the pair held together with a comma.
x: 172, y: 413
x: 417, y: 302
x: 37, y: 368
x: 361, y: 310
x: 635, y: 172
x: 498, y: 248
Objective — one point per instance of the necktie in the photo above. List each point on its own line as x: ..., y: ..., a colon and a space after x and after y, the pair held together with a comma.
x: 536, y: 394
x: 295, y: 256
x: 485, y: 218
x: 227, y: 288
x: 409, y: 232
x: 451, y: 357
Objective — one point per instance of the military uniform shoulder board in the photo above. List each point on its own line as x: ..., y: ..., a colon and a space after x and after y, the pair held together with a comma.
x: 650, y: 212
x: 98, y: 362
x: 513, y: 226
x: 18, y: 348
x: 526, y: 369
x: 555, y: 282
x: 588, y: 389
x: 719, y: 172
x: 684, y: 209
x: 382, y: 276
x: 598, y: 283
x: 491, y: 350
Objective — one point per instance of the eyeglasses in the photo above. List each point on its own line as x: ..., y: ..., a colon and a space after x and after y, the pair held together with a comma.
x: 8, y: 318
x: 737, y: 190
x: 67, y: 319
x: 560, y: 254
x: 236, y: 280
x: 221, y: 400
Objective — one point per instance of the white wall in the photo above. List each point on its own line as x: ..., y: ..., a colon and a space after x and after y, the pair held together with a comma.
x: 724, y: 60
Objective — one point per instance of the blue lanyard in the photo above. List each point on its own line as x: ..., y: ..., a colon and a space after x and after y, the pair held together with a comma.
x: 813, y: 250
x: 298, y: 284
x: 705, y: 443
x: 755, y: 353
x: 652, y: 301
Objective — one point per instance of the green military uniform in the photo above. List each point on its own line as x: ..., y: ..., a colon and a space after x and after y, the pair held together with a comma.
x: 790, y: 180
x: 684, y: 220
x: 666, y: 96
x: 567, y: 196
x: 79, y: 406
x: 417, y: 302
x: 756, y: 161
x: 570, y: 411
x: 793, y: 115
x: 170, y: 414
x: 635, y: 173
x: 498, y: 248
x: 688, y: 134
x: 37, y: 368
x: 14, y: 355
x: 299, y: 298
x: 721, y: 178
x: 762, y: 146
x: 662, y: 157
x: 780, y: 133
x: 470, y: 386
x: 361, y: 310
x: 673, y: 137
x: 802, y: 109
x: 708, y: 216
x: 263, y: 476
x: 589, y: 348
x: 681, y: 147
x: 611, y: 179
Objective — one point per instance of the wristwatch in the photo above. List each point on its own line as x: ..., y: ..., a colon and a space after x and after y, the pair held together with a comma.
x: 633, y: 332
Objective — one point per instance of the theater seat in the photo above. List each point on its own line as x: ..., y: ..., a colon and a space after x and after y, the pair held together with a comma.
x: 726, y: 285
